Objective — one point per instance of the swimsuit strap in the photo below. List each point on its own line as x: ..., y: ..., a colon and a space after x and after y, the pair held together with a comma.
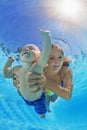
x: 62, y: 83
x: 66, y: 64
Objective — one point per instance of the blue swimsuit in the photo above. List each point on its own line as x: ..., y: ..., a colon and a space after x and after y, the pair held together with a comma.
x: 39, y: 105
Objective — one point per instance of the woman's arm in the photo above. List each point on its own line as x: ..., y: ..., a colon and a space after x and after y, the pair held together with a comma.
x: 59, y: 90
x: 64, y: 92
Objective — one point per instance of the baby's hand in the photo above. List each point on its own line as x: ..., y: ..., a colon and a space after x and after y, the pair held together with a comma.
x: 44, y: 32
x: 12, y: 58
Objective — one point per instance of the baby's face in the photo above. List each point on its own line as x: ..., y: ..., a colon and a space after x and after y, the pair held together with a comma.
x: 29, y: 53
x: 56, y: 59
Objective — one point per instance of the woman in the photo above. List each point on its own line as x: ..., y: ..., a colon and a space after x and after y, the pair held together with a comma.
x: 57, y: 75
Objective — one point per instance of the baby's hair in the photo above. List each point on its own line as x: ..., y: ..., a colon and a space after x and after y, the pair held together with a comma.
x: 34, y: 46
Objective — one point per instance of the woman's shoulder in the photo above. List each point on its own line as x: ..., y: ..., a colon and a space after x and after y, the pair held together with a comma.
x: 66, y: 62
x: 65, y: 68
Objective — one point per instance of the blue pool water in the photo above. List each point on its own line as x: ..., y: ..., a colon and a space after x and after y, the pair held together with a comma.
x: 65, y: 115
x: 19, y: 23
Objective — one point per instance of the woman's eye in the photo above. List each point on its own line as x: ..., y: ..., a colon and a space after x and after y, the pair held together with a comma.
x: 60, y: 57
x: 51, y: 58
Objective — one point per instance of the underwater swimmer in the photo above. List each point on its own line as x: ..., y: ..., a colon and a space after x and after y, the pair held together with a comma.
x: 57, y: 75
x: 32, y: 61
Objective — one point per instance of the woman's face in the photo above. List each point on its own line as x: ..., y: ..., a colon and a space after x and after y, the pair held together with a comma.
x: 56, y: 59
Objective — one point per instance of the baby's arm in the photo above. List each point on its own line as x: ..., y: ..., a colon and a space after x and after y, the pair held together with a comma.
x: 8, y: 70
x: 38, y: 68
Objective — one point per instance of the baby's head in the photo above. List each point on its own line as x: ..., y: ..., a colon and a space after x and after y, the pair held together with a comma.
x: 30, y: 53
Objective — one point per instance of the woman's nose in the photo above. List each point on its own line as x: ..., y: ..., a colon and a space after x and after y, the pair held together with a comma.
x: 56, y: 61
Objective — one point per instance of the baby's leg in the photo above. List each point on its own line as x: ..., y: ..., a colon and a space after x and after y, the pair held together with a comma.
x: 40, y: 106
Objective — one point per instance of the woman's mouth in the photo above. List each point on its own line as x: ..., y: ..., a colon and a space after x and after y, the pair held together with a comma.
x: 55, y: 67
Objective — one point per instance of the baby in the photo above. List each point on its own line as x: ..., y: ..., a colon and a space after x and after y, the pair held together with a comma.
x: 34, y: 62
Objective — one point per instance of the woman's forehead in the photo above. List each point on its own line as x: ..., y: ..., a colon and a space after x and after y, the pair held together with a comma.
x: 57, y: 50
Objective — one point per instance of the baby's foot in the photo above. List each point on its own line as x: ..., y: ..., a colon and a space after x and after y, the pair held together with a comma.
x: 42, y: 115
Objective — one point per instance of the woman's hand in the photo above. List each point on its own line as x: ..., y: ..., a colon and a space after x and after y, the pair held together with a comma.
x: 36, y: 80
